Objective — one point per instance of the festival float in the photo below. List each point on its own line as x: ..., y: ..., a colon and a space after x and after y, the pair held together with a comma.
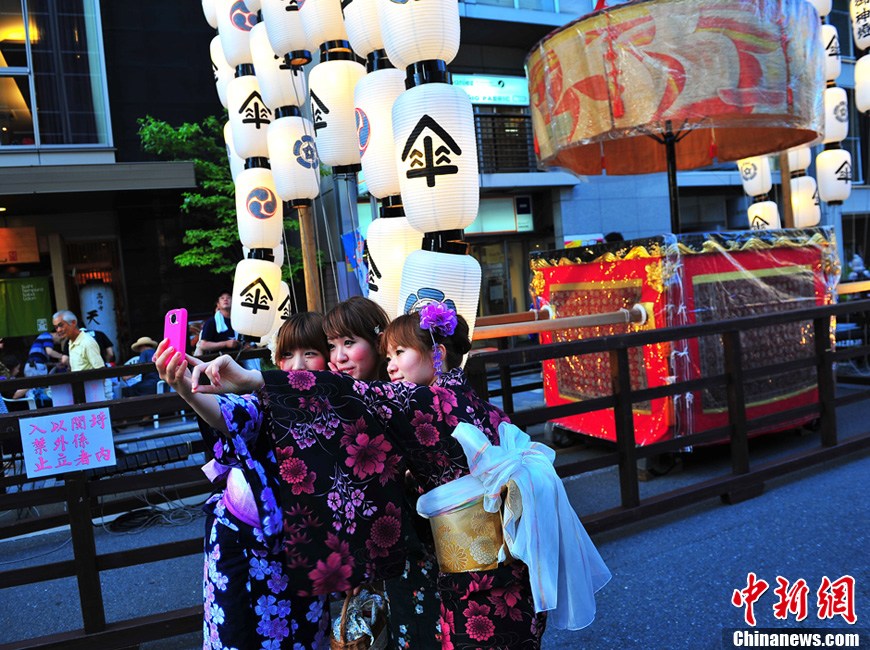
x: 681, y: 84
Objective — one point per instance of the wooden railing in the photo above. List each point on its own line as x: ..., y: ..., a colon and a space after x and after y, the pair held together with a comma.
x: 745, y: 479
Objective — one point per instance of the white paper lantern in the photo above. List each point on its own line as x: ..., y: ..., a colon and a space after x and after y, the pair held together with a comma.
x: 805, y: 202
x: 419, y: 31
x: 282, y: 313
x: 236, y: 162
x: 831, y: 46
x: 249, y: 117
x: 210, y: 13
x: 293, y: 157
x: 256, y: 289
x: 860, y: 23
x: 374, y: 97
x: 755, y: 175
x: 331, y: 88
x: 799, y: 159
x: 764, y: 215
x: 322, y: 21
x: 834, y: 175
x: 284, y: 28
x: 259, y: 210
x: 223, y: 71
x: 253, y: 5
x: 436, y: 157
x: 280, y: 84
x: 277, y: 253
x: 441, y: 277
x: 235, y: 22
x: 822, y: 6
x: 389, y: 241
x: 862, y: 83
x: 363, y: 26
x: 836, y: 115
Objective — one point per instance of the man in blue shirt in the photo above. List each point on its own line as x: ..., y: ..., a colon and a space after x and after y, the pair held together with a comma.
x: 41, y: 353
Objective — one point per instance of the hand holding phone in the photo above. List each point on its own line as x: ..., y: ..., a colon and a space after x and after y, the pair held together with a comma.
x: 175, y: 329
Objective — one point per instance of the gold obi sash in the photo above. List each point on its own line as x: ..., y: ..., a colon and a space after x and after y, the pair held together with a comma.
x: 467, y: 537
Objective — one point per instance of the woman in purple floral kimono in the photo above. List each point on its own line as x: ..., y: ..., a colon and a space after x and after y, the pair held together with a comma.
x: 248, y: 602
x: 337, y: 476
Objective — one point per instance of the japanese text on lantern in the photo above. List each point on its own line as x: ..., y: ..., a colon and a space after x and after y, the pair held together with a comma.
x: 67, y: 442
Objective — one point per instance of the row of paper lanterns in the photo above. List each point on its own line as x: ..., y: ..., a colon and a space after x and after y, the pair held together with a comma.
x: 833, y: 164
x: 407, y: 127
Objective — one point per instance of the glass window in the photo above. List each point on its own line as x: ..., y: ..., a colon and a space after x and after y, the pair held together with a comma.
x: 51, y: 57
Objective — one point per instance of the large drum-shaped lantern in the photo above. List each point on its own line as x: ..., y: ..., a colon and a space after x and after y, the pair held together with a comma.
x: 419, y: 31
x: 249, y: 117
x: 755, y: 175
x: 258, y: 209
x: 223, y: 71
x: 805, y: 202
x: 284, y: 26
x: 834, y: 172
x: 389, y: 241
x: 363, y: 26
x: 836, y: 115
x: 763, y: 215
x: 322, y: 21
x: 441, y: 277
x: 293, y: 157
x: 256, y: 289
x: 280, y: 84
x: 603, y: 84
x: 331, y: 88
x: 235, y: 22
x: 374, y: 97
x: 436, y: 157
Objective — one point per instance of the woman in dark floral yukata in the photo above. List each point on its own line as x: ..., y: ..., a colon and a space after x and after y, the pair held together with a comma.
x: 487, y: 608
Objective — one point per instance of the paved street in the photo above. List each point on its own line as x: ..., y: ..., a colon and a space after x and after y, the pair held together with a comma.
x: 673, y: 576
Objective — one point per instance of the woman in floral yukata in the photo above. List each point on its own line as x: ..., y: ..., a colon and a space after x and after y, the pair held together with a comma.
x: 478, y: 609
x: 247, y: 600
x: 354, y: 537
x: 335, y: 473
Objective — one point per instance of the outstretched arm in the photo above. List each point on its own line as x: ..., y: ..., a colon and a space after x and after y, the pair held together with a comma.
x: 225, y: 376
x: 173, y: 369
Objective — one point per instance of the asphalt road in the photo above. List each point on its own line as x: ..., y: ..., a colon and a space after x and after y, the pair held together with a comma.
x: 673, y: 576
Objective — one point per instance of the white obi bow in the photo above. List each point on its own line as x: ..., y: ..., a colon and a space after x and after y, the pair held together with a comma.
x: 541, y: 528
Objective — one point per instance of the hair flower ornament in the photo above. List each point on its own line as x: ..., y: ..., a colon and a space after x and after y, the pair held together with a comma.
x: 438, y: 318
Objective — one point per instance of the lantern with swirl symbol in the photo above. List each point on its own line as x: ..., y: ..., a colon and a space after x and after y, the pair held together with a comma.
x: 258, y: 209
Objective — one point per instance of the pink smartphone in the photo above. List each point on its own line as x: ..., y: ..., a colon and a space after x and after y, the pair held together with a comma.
x: 175, y: 329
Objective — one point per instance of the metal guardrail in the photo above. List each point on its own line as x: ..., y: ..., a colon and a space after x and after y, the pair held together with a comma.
x: 744, y: 481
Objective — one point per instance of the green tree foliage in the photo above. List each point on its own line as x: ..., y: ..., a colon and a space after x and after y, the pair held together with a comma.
x: 212, y: 238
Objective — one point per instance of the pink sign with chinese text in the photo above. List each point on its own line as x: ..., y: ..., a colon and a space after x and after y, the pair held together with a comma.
x: 69, y: 442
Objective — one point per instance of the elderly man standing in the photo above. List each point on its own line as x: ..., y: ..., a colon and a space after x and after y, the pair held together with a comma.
x: 84, y: 351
